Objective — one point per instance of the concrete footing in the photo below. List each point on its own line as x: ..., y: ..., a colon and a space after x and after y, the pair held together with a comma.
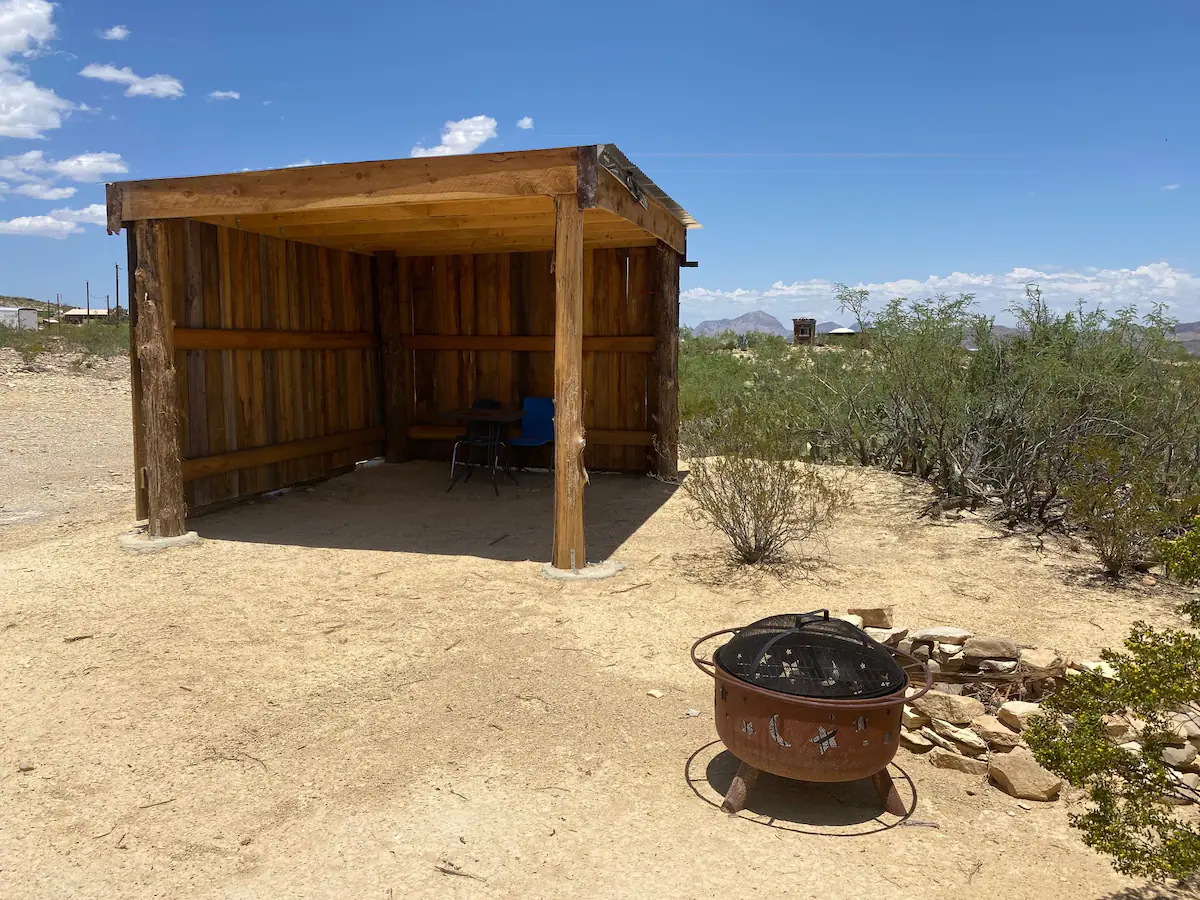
x: 141, y: 542
x: 590, y: 572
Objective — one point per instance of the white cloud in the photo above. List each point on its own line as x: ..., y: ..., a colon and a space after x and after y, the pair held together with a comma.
x: 40, y: 191
x: 90, y: 167
x: 1142, y: 286
x: 26, y: 109
x: 225, y: 95
x: 39, y: 226
x: 136, y: 85
x: 1170, y: 187
x: 96, y: 214
x: 525, y: 122
x: 463, y: 136
x: 116, y: 33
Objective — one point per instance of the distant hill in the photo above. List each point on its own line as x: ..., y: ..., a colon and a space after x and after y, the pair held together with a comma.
x: 27, y: 302
x: 826, y: 327
x: 751, y: 321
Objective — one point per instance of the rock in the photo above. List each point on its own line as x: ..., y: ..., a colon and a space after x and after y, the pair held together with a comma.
x: 24, y: 767
x: 889, y: 636
x: 905, y: 645
x: 977, y: 648
x: 933, y: 666
x: 995, y: 734
x: 1099, y: 667
x: 1018, y: 775
x: 856, y: 621
x: 943, y: 635
x: 968, y: 742
x: 946, y: 759
x: 1149, y: 580
x: 1188, y: 722
x: 934, y: 738
x: 691, y: 713
x: 655, y: 693
x: 943, y: 652
x: 1039, y: 660
x: 947, y: 687
x: 1024, y: 805
x: 1120, y: 729
x: 954, y: 709
x: 1191, y: 781
x: 912, y: 720
x: 1179, y: 757
x: 875, y: 616
x: 922, y: 651
x: 1016, y: 713
x: 915, y: 743
x: 1132, y: 747
x: 1003, y: 666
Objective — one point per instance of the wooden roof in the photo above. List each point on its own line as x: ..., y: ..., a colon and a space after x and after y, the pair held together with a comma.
x: 482, y: 203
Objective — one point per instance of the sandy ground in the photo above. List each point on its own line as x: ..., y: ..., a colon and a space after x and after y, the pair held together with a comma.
x: 343, y: 689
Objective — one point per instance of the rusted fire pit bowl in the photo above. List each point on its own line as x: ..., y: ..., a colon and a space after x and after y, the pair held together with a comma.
x: 808, y: 738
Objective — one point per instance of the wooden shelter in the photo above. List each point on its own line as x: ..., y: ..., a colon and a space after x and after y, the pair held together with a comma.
x: 290, y: 322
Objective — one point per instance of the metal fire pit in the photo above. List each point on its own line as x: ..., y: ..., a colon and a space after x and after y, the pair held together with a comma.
x: 810, y: 698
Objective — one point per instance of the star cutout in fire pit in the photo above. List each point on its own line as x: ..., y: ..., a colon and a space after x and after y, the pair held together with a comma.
x: 825, y: 740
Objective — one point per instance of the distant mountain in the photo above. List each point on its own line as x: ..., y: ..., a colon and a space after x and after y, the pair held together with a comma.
x: 751, y: 321
x: 826, y: 327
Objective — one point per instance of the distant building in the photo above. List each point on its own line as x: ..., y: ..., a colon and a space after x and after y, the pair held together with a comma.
x: 21, y: 318
x: 804, y: 332
x: 79, y: 316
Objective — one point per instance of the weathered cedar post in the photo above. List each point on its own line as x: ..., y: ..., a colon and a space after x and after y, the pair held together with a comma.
x: 392, y: 358
x: 156, y: 358
x: 570, y: 475
x: 666, y: 357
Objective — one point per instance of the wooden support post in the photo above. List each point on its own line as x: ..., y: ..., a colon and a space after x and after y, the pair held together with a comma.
x: 570, y: 475
x: 140, y: 500
x: 392, y: 359
x: 156, y: 358
x: 666, y: 360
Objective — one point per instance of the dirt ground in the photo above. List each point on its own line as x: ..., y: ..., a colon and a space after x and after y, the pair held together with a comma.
x: 367, y: 689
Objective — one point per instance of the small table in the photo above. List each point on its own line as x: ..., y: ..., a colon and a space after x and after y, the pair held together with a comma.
x: 497, y: 422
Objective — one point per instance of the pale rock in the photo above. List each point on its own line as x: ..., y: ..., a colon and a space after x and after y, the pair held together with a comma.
x: 1188, y: 722
x: 933, y: 666
x: 1179, y: 757
x: 1038, y: 660
x: 875, y: 616
x: 1189, y: 780
x: 954, y: 709
x: 947, y: 759
x: 941, y: 649
x: 856, y: 621
x: 950, y: 662
x: 944, y: 634
x: 655, y: 693
x: 934, y: 738
x: 905, y: 645
x: 889, y: 636
x: 991, y: 648
x: 922, y: 652
x: 1018, y: 775
x: 969, y: 743
x: 948, y: 687
x: 1132, y: 747
x: 912, y: 720
x: 914, y: 742
x: 1003, y: 666
x: 1017, y: 713
x: 1098, y: 666
x: 1120, y: 729
x: 995, y: 734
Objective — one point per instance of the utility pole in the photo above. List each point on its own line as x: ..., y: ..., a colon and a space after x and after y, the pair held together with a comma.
x: 87, y: 290
x: 107, y: 308
x: 117, y: 286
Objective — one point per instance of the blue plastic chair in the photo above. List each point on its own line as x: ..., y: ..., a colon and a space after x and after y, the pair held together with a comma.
x: 537, y: 425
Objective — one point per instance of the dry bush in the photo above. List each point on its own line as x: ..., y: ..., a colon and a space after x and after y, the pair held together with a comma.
x: 745, y: 482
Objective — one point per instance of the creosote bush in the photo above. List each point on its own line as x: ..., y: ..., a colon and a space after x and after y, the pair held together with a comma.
x: 1131, y: 818
x: 1181, y: 555
x: 745, y: 481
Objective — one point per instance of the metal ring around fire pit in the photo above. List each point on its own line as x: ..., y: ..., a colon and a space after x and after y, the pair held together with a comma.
x: 709, y: 667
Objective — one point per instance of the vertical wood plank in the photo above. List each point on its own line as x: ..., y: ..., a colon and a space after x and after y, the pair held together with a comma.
x: 141, y: 500
x: 197, y: 399
x: 666, y: 354
x: 392, y: 361
x: 159, y: 401
x: 568, y: 551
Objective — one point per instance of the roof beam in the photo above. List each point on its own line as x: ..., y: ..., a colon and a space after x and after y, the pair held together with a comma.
x: 610, y: 194
x: 484, y: 176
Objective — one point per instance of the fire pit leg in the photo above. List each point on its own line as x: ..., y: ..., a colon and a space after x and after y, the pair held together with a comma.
x: 743, y: 782
x: 888, y: 795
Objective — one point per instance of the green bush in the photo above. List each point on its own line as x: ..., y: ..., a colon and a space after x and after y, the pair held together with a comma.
x: 95, y: 339
x: 744, y: 480
x: 1130, y: 819
x: 1181, y: 555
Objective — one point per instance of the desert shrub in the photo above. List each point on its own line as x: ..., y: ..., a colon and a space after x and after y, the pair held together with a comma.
x: 1113, y: 495
x: 95, y: 339
x: 1181, y: 555
x: 1130, y: 818
x: 744, y: 479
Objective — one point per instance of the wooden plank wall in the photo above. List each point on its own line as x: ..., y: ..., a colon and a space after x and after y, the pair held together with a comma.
x: 277, y: 360
x: 512, y: 294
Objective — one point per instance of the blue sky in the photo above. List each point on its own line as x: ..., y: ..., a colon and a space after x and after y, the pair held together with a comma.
x: 911, y: 148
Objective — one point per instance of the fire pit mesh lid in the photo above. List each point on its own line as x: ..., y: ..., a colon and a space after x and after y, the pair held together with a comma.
x: 811, y: 655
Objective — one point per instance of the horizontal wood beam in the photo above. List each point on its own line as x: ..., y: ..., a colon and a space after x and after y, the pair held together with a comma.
x: 391, y: 212
x: 656, y: 220
x: 526, y: 343
x: 481, y: 176
x: 606, y: 436
x: 444, y: 246
x: 262, y: 339
x: 220, y: 463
